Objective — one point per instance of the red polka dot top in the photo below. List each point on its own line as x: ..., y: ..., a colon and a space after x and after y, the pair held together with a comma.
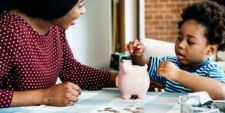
x: 30, y: 61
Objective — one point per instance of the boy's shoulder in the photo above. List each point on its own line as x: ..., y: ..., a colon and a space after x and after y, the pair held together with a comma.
x: 212, y: 70
x: 165, y: 58
x: 170, y: 59
x: 214, y: 65
x: 211, y: 67
x: 211, y: 64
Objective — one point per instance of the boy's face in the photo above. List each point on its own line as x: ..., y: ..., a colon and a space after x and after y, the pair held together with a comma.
x: 70, y: 18
x: 191, y: 45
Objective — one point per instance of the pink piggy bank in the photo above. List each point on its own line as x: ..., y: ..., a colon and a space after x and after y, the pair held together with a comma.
x: 132, y: 80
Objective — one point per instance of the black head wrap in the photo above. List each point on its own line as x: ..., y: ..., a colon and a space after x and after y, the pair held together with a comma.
x: 44, y: 9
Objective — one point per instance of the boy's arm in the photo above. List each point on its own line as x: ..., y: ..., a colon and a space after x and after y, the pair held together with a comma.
x: 214, y: 88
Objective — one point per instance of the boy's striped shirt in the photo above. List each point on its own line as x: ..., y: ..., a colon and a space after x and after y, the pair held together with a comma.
x: 206, y: 69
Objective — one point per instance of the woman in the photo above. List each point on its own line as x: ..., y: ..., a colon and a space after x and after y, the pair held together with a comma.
x: 34, y: 52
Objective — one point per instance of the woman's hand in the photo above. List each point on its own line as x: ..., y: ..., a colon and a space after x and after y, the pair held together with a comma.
x: 168, y: 70
x: 135, y: 48
x: 63, y: 94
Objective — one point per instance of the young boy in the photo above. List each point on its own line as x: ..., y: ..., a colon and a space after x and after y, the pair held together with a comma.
x: 201, y: 33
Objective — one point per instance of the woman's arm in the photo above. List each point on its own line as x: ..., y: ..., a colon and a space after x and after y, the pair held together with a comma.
x: 28, y: 98
x: 63, y: 94
x: 112, y: 80
x: 86, y: 77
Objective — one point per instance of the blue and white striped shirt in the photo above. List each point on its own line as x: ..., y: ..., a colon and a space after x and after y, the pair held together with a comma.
x: 207, y: 69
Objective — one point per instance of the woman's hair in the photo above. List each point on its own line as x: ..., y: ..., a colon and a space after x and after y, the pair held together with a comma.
x: 44, y: 9
x: 6, y: 5
x: 212, y: 16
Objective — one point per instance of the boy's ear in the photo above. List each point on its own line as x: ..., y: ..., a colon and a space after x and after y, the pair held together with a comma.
x: 212, y: 49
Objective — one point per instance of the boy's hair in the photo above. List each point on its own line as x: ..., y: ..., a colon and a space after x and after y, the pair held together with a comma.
x: 212, y: 16
x: 44, y: 9
x: 222, y: 2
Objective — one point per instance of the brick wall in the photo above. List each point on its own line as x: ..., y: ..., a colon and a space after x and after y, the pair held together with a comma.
x: 161, y: 17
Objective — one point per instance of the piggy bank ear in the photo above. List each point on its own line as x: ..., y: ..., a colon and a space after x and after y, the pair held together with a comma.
x: 127, y: 65
x: 126, y: 62
x: 145, y: 66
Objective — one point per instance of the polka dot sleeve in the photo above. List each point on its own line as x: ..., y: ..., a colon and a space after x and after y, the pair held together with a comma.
x: 5, y: 98
x: 5, y: 95
x: 85, y: 76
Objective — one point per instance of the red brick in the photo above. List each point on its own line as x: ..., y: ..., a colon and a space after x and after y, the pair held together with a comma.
x: 148, y: 17
x: 160, y: 28
x: 158, y: 17
x: 161, y: 17
x: 181, y: 5
x: 164, y: 0
x: 171, y: 6
x: 169, y: 17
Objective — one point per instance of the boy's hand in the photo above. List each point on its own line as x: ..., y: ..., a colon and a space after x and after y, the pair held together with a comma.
x: 168, y: 70
x: 135, y: 48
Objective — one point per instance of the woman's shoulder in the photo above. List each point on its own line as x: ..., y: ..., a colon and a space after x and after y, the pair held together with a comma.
x: 11, y: 22
x: 13, y: 29
x: 58, y: 29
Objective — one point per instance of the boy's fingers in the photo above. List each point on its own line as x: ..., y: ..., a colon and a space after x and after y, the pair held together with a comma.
x: 139, y: 49
x: 138, y: 46
x: 130, y: 47
x: 135, y: 43
x: 126, y: 47
x: 133, y: 47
